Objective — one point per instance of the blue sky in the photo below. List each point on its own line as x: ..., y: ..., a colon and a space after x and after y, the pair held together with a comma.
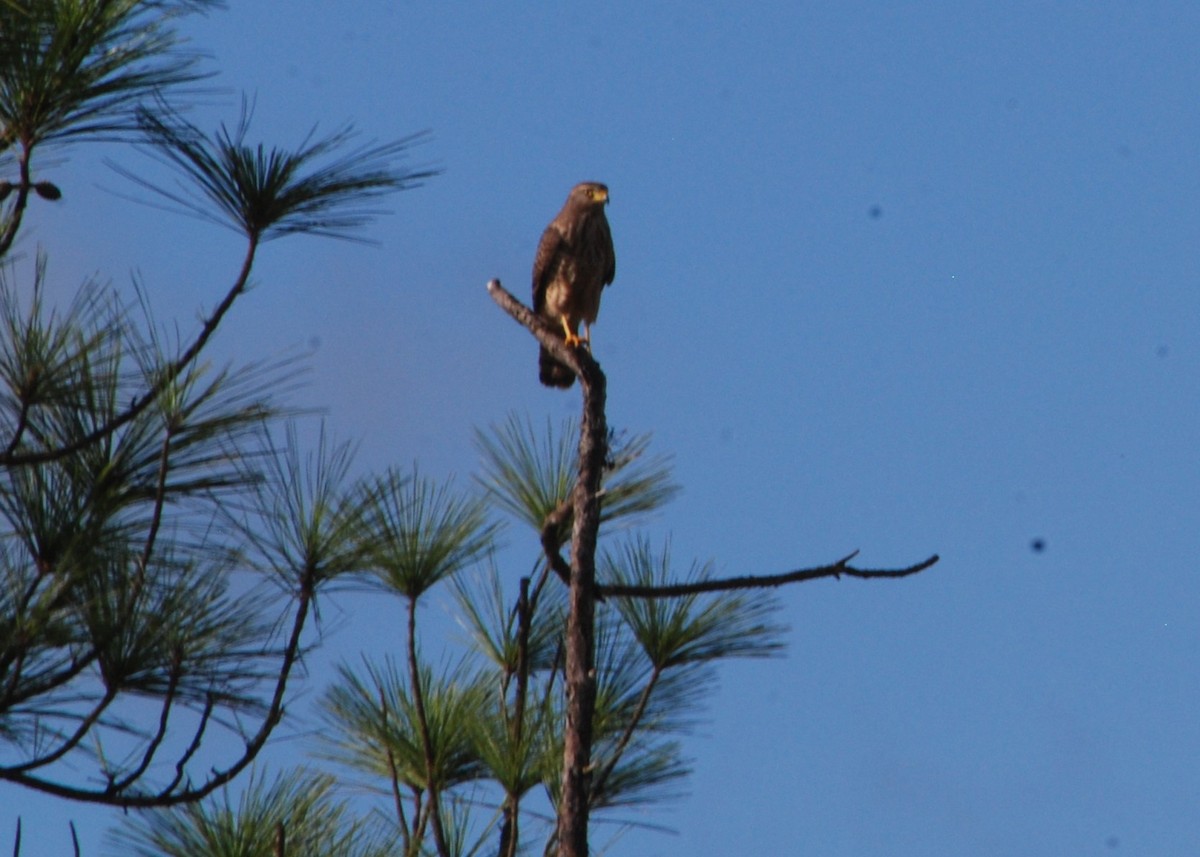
x: 904, y: 278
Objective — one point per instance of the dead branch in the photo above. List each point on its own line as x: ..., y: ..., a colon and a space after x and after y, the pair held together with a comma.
x: 834, y: 570
x: 578, y: 358
x: 574, y: 800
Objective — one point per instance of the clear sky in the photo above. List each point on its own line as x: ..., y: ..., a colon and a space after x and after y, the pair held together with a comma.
x: 903, y: 278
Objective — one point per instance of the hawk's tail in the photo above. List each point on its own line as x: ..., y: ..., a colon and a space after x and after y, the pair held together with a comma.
x: 554, y: 373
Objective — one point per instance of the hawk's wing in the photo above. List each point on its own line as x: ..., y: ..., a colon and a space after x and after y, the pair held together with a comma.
x: 610, y: 263
x: 544, y: 264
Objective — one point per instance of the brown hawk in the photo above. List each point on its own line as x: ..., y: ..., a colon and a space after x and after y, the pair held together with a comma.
x: 575, y: 261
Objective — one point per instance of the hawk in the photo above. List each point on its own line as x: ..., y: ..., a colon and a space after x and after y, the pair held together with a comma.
x: 574, y: 262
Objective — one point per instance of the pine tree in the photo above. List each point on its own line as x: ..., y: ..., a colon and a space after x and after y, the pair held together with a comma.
x: 143, y: 491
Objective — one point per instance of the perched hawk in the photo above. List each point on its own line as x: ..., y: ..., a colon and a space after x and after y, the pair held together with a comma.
x: 574, y: 262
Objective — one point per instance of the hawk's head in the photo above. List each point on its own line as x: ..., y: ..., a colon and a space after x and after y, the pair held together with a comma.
x: 589, y: 193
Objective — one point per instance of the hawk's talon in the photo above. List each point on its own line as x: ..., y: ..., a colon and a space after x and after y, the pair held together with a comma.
x: 569, y: 336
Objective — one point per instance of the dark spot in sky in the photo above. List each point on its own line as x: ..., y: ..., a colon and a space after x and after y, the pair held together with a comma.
x: 875, y: 212
x: 1112, y: 842
x: 1037, y: 545
x: 1162, y: 351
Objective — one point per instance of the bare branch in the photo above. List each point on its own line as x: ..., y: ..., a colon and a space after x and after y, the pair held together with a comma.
x: 835, y: 570
x: 574, y: 800
x: 579, y: 359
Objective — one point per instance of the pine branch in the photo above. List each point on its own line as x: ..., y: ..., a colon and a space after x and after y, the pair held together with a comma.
x: 171, y: 795
x: 14, y: 458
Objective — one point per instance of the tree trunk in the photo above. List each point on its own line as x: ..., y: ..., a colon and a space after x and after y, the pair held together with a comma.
x: 580, y: 632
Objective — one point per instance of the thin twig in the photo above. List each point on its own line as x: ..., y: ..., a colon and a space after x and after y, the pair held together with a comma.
x: 156, y: 742
x: 210, y: 702
x: 431, y: 772
x: 84, y: 727
x: 394, y: 774
x: 601, y: 779
x: 17, y: 209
